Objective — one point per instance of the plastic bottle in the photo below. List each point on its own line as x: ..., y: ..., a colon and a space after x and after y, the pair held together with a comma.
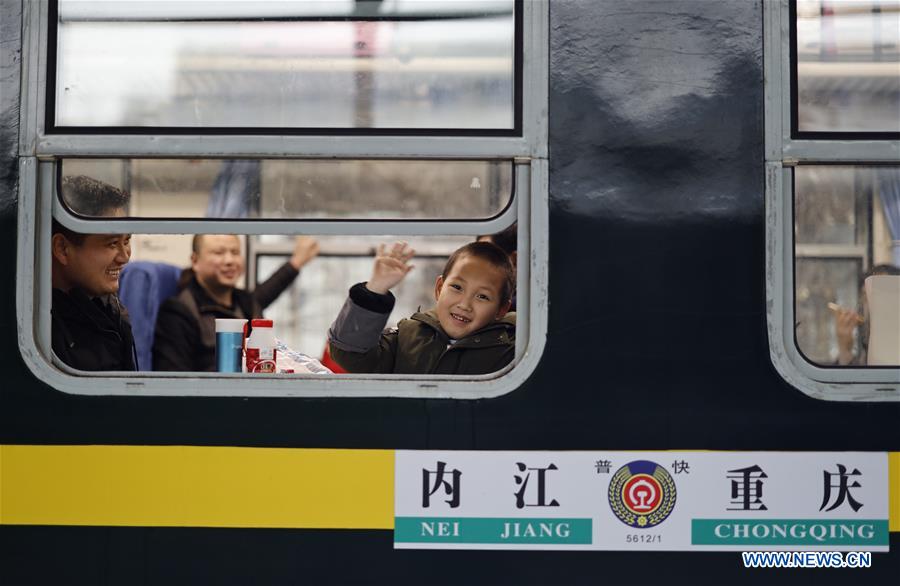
x: 261, y: 347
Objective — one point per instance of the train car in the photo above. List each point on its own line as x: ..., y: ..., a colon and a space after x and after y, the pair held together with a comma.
x: 707, y: 204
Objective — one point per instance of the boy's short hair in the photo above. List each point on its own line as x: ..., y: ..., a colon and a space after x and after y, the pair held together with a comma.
x: 88, y: 197
x: 493, y: 254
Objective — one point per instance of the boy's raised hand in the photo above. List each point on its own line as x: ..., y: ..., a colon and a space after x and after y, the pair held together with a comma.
x: 391, y: 266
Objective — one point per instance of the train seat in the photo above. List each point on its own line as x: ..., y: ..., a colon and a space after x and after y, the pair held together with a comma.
x: 143, y: 286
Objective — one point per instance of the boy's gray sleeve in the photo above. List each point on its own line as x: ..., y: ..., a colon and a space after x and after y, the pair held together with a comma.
x: 359, y: 324
x: 356, y: 340
x: 357, y: 329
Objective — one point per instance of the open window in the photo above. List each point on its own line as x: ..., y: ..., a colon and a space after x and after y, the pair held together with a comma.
x: 833, y: 195
x: 353, y: 121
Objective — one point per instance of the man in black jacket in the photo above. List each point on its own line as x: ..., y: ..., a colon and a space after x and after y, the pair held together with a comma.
x: 185, y: 335
x: 90, y: 330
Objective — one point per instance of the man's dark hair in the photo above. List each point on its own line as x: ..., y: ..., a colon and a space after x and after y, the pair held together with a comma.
x: 493, y: 254
x: 197, y: 241
x: 88, y: 197
x: 505, y: 239
x: 883, y: 269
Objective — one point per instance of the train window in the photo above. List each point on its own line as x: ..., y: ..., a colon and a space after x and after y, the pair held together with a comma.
x: 847, y: 66
x: 354, y: 122
x: 833, y: 196
x: 238, y: 64
x: 302, y: 309
x: 311, y: 189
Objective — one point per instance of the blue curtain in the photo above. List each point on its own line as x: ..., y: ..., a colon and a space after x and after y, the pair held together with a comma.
x: 236, y: 190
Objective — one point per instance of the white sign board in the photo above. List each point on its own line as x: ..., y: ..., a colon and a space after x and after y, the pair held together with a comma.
x: 664, y: 500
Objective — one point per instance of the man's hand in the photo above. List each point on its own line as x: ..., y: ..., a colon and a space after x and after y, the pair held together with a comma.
x: 305, y: 249
x: 845, y: 324
x: 391, y: 266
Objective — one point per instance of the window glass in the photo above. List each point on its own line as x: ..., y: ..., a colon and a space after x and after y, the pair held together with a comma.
x: 848, y: 66
x: 301, y: 189
x: 821, y: 281
x: 161, y: 280
x: 832, y: 209
x: 847, y: 228
x: 401, y: 64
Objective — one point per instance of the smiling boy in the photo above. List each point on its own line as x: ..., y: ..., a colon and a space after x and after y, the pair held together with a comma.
x: 469, y: 331
x: 90, y: 330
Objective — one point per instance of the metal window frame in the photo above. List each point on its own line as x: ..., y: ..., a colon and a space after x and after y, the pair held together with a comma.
x: 34, y: 141
x: 39, y: 154
x: 783, y: 153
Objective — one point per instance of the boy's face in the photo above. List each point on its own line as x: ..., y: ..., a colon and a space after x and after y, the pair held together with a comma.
x: 219, y: 262
x: 469, y: 298
x: 95, y: 264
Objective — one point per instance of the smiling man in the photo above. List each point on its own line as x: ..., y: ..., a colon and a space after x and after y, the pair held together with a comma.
x: 185, y: 337
x: 90, y: 330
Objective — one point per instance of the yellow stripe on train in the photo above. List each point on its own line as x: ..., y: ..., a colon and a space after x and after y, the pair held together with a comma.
x: 188, y: 486
x: 181, y: 486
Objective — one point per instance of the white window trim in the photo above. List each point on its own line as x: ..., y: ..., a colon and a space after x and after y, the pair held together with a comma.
x: 39, y: 155
x: 782, y: 154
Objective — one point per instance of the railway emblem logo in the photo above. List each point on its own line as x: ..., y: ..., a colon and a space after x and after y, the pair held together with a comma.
x: 642, y: 494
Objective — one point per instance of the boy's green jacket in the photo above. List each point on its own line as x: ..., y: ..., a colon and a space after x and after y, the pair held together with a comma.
x: 417, y: 345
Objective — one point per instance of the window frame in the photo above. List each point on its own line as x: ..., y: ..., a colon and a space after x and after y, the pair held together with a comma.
x: 40, y: 152
x: 530, y: 141
x: 783, y: 153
